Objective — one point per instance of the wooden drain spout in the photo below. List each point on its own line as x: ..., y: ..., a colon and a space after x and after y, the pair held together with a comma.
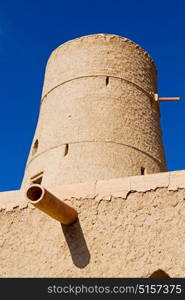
x: 51, y: 205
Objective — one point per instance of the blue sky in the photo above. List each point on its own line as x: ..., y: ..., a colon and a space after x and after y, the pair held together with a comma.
x: 30, y: 30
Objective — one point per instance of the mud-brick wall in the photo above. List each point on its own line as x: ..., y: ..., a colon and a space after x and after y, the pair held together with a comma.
x: 127, y: 228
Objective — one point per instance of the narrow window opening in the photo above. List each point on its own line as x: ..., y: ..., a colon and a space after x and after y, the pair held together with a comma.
x: 35, y: 147
x: 37, y: 181
x: 159, y: 274
x: 37, y: 178
x: 143, y: 171
x: 66, y: 150
x: 107, y: 81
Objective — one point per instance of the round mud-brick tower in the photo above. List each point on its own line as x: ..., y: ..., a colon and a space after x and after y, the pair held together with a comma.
x: 98, y: 117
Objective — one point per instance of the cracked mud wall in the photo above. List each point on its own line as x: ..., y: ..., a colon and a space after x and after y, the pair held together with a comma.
x: 129, y: 236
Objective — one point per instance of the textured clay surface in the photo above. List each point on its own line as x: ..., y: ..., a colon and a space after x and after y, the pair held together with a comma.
x: 128, y: 227
x: 98, y: 117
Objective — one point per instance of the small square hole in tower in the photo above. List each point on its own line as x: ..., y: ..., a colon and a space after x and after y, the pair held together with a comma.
x: 66, y: 149
x: 143, y: 171
x: 35, y: 147
x: 107, y: 80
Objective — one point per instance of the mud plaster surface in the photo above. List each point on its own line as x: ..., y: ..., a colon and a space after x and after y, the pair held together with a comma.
x: 116, y: 236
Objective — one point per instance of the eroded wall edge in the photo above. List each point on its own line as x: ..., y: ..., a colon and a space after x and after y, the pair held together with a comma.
x: 99, y: 190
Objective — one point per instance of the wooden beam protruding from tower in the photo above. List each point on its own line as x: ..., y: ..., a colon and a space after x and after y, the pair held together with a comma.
x: 169, y: 98
x: 157, y: 98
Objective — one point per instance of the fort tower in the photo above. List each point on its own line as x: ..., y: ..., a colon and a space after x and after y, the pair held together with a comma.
x: 98, y: 116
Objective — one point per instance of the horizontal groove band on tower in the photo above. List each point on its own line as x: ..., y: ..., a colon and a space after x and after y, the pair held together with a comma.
x: 103, y: 160
x: 151, y: 95
x: 99, y: 142
x: 92, y: 111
